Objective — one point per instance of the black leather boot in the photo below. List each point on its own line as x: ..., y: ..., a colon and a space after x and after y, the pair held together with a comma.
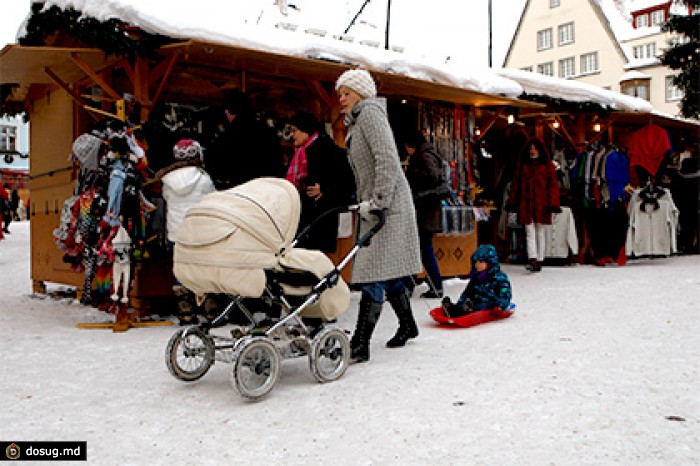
x: 366, y: 321
x: 534, y: 265
x: 407, y: 325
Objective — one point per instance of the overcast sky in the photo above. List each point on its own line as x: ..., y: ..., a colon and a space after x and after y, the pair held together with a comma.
x: 455, y: 28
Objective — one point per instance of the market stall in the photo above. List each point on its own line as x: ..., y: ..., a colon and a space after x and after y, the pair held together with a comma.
x: 70, y: 89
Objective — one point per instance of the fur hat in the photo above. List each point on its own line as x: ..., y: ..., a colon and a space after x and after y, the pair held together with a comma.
x: 359, y: 81
x: 188, y: 150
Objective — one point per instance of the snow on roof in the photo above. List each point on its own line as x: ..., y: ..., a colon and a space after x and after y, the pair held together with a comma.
x: 642, y: 63
x: 234, y: 25
x: 237, y: 23
x: 618, y: 19
x: 534, y: 83
x: 630, y: 75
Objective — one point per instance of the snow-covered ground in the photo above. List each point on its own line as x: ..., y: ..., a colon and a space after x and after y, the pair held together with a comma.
x: 597, y: 366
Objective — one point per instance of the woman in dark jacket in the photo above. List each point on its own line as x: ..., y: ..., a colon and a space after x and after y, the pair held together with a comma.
x: 321, y: 172
x: 423, y: 174
x: 534, y: 195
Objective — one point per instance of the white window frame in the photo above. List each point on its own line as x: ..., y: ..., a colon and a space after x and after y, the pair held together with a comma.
x: 643, y: 51
x: 657, y: 17
x: 589, y: 63
x: 526, y: 68
x: 567, y: 67
x: 639, y: 89
x: 566, y: 33
x: 673, y: 93
x: 642, y: 21
x: 554, y: 3
x: 651, y: 50
x: 546, y: 69
x: 8, y: 137
x: 544, y: 39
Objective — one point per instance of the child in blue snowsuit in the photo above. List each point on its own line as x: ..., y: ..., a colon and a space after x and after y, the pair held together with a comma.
x: 488, y: 286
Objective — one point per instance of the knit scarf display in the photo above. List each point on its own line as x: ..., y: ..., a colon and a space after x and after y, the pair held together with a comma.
x: 297, y: 170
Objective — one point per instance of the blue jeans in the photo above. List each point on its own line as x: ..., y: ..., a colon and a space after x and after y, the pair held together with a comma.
x: 427, y: 255
x: 375, y: 291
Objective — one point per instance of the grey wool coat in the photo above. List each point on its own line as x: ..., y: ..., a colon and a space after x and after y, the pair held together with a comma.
x: 394, y: 251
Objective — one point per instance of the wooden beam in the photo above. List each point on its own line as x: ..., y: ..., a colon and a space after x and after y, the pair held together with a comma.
x: 164, y: 79
x: 141, y: 81
x: 128, y: 69
x: 603, y: 128
x: 490, y: 122
x: 321, y: 93
x: 63, y: 85
x: 95, y: 77
x: 159, y: 70
x: 562, y: 125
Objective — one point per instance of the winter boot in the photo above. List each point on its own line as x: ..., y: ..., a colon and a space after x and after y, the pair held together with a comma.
x: 185, y: 305
x: 407, y: 325
x: 366, y: 321
x: 534, y: 265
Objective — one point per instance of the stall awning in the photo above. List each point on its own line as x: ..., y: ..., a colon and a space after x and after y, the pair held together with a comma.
x: 27, y: 65
x: 666, y: 121
x: 307, y: 69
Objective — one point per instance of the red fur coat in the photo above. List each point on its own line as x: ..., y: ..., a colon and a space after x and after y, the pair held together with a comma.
x: 534, y: 192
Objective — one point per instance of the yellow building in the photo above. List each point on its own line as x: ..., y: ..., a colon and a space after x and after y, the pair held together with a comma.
x: 613, y: 44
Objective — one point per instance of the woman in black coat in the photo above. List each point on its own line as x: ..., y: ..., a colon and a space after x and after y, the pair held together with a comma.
x: 321, y: 172
x: 423, y: 174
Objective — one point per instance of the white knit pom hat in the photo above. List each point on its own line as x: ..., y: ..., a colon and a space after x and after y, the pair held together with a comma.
x: 359, y: 81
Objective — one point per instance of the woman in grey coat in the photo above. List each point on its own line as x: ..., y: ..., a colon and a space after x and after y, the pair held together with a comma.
x: 394, y: 254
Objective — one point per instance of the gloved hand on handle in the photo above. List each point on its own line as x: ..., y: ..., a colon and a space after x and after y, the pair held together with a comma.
x: 364, y: 209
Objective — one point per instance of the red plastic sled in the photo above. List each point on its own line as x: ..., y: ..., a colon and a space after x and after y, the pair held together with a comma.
x: 473, y: 318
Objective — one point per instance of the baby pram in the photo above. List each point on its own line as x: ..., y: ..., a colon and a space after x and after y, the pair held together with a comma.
x: 240, y: 242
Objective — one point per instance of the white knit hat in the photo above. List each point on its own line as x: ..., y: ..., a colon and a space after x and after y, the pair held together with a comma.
x: 359, y: 81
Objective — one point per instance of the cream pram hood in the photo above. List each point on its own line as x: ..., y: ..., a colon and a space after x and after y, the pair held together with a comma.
x: 230, y: 238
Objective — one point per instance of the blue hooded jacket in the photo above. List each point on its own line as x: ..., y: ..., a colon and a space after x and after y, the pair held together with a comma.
x: 487, y: 289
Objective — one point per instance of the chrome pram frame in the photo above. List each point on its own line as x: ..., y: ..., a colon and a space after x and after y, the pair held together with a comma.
x: 256, y: 352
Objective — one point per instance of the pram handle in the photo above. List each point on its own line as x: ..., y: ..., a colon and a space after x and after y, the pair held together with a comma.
x: 307, y: 228
x: 364, y: 241
x: 379, y: 215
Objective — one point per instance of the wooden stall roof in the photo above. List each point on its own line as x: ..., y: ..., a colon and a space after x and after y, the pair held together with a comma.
x: 26, y: 65
x: 286, y: 66
x: 666, y: 121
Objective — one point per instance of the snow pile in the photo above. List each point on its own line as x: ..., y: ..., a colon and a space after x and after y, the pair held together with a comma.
x: 598, y: 365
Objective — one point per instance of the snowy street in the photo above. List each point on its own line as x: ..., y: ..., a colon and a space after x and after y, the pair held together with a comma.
x: 598, y: 365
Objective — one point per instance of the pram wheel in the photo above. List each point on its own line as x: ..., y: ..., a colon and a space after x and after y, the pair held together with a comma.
x: 329, y: 355
x: 189, y: 354
x: 256, y: 367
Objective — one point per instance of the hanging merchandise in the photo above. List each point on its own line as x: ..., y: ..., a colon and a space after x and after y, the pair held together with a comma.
x: 560, y: 237
x: 447, y: 128
x: 653, y: 222
x: 648, y: 147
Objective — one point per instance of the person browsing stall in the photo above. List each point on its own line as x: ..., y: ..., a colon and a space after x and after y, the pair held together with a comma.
x: 423, y: 174
x: 322, y: 174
